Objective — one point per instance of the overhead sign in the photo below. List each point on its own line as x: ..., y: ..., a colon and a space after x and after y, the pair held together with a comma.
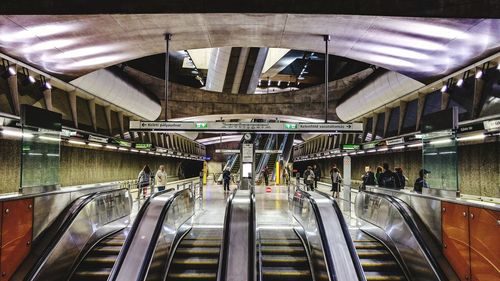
x: 395, y: 141
x: 97, y: 139
x: 143, y: 145
x: 351, y: 146
x: 247, y: 153
x: 245, y: 127
x: 492, y: 125
x: 370, y: 145
x: 124, y: 143
x: 227, y: 151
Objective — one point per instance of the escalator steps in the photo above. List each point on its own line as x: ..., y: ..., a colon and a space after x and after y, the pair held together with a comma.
x: 377, y: 262
x: 283, y: 256
x: 98, y: 263
x: 197, y: 256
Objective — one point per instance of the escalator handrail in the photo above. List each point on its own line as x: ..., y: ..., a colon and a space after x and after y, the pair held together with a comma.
x: 61, y: 230
x: 130, y: 236
x: 322, y: 233
x: 224, y: 247
x: 347, y: 236
x: 410, y: 222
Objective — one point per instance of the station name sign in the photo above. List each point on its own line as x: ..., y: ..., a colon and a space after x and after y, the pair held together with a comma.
x: 245, y: 127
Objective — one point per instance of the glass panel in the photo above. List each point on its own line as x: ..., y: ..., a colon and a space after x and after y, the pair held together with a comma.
x: 432, y: 102
x: 380, y: 125
x: 410, y: 119
x: 439, y: 156
x: 40, y: 158
x: 392, y: 130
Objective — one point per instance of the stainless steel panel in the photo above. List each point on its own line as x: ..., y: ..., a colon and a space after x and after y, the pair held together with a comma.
x: 46, y: 209
x: 380, y: 212
x: 104, y: 209
x: 429, y: 211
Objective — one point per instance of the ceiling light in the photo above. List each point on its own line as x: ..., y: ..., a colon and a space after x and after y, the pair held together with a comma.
x: 415, y: 145
x: 52, y: 155
x: 444, y: 88
x: 122, y: 149
x: 142, y: 151
x: 498, y: 66
x: 49, y: 138
x: 383, y: 149
x: 12, y: 70
x: 479, y: 74
x: 441, y: 141
x: 111, y: 147
x: 31, y: 79
x: 460, y: 82
x: 371, y: 151
x: 94, y: 144
x: 398, y: 147
x: 19, y: 134
x: 473, y: 137
x: 134, y: 150
x: 76, y: 142
x: 279, y: 82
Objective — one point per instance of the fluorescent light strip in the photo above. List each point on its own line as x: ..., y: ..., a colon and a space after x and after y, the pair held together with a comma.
x: 49, y: 138
x: 398, y: 147
x: 93, y: 144
x: 122, y: 149
x: 34, y: 154
x: 18, y: 134
x: 383, y: 149
x: 134, y: 150
x: 143, y: 152
x: 52, y: 154
x: 474, y: 137
x: 441, y: 141
x: 76, y: 142
x: 111, y: 147
x: 371, y: 151
x: 416, y: 145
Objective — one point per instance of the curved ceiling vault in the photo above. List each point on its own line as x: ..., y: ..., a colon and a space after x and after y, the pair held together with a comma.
x: 421, y: 48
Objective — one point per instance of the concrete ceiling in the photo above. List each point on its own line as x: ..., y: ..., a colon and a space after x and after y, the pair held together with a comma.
x: 421, y: 48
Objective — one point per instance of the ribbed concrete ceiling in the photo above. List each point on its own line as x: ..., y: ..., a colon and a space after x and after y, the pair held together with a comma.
x: 421, y: 48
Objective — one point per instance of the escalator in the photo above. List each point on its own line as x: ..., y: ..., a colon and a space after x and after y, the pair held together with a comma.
x: 236, y: 165
x: 377, y: 261
x: 282, y: 256
x: 98, y: 263
x: 197, y: 255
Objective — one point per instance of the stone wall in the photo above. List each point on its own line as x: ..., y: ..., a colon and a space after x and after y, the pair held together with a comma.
x: 478, y: 169
x: 86, y: 166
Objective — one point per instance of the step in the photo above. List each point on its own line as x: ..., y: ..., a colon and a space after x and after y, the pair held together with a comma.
x: 104, y: 261
x: 200, y: 243
x: 270, y: 242
x: 101, y: 274
x: 195, y: 261
x: 369, y: 245
x: 106, y: 250
x: 374, y: 254
x: 375, y: 276
x: 197, y: 251
x: 286, y: 272
x: 192, y: 275
x: 283, y: 260
x: 378, y: 265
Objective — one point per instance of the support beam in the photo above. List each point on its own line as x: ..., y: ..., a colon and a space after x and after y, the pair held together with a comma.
x: 402, y: 113
x: 150, y: 137
x: 477, y: 100
x: 121, y: 124
x: 47, y: 98
x: 73, y: 107
x: 374, y: 126
x: 14, y: 93
x: 365, y: 129
x: 162, y: 138
x: 420, y: 109
x: 142, y: 135
x: 157, y: 140
x: 387, y: 118
x: 168, y: 37
x: 93, y: 116
x: 107, y: 111
x: 327, y: 39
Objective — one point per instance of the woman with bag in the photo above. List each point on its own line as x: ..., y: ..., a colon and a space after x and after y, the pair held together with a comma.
x: 336, y: 181
x: 143, y: 181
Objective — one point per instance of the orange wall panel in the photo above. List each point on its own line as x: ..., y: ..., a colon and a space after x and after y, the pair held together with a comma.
x: 485, y: 244
x: 17, y: 229
x: 455, y: 227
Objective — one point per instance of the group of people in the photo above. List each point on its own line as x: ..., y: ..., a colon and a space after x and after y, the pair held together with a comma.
x: 313, y: 174
x: 146, y: 179
x: 384, y: 177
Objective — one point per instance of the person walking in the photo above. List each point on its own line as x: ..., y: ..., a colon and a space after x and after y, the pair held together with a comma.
x: 226, y: 178
x: 317, y: 175
x: 368, y: 178
x: 309, y: 178
x: 401, y: 179
x: 265, y: 173
x: 421, y: 181
x: 286, y: 174
x: 161, y: 178
x: 336, y: 181
x: 143, y: 181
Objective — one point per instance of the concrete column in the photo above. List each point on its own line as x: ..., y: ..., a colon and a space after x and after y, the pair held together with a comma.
x: 157, y: 140
x: 162, y: 138
x: 374, y: 126
x: 387, y: 118
x: 47, y: 97
x: 14, y: 94
x: 365, y: 129
x: 121, y: 124
x: 150, y: 138
x: 402, y: 114
x: 107, y: 111
x: 73, y: 107
x: 420, y: 109
x: 478, y: 97
x: 93, y: 116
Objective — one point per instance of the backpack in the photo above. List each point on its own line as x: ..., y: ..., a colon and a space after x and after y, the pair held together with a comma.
x: 389, y: 180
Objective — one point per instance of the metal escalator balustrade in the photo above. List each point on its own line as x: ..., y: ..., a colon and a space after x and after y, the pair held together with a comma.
x: 197, y: 255
x: 98, y: 263
x: 282, y: 256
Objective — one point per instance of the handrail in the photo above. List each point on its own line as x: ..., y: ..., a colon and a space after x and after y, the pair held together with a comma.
x: 347, y: 235
x: 322, y: 234
x: 398, y: 204
x: 131, y: 234
x: 225, y: 238
x: 65, y: 221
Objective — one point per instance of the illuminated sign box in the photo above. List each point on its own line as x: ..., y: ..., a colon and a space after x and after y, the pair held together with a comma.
x: 143, y: 145
x: 351, y: 146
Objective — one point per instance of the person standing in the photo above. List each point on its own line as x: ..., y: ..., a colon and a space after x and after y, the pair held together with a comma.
x: 388, y: 178
x: 401, y: 179
x: 378, y: 173
x: 286, y: 173
x: 309, y: 178
x: 161, y: 178
x: 143, y: 181
x: 421, y: 181
x: 317, y: 175
x: 265, y: 173
x: 336, y: 181
x: 226, y: 178
x: 368, y: 178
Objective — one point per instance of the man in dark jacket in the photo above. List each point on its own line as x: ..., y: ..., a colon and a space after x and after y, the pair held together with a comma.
x: 388, y: 178
x: 368, y: 177
x: 421, y: 182
x: 317, y: 175
x: 226, y: 177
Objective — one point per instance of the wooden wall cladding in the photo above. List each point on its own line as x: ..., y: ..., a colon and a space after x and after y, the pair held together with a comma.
x: 471, y: 241
x: 456, y: 238
x: 17, y: 229
x: 484, y: 244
